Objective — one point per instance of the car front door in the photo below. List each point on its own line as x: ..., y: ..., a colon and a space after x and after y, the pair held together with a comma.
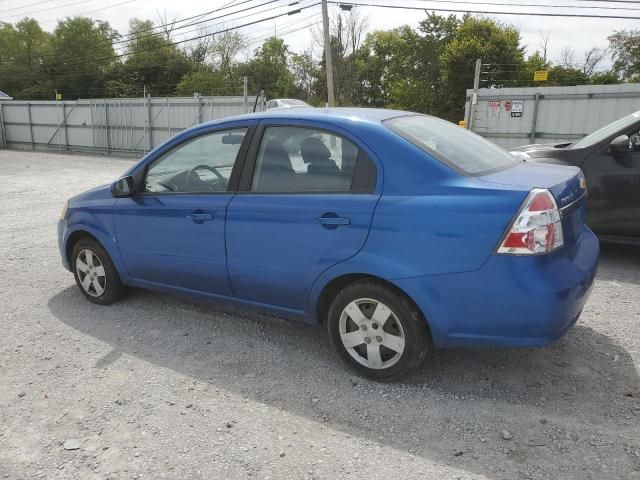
x: 305, y: 203
x: 614, y: 189
x: 172, y: 233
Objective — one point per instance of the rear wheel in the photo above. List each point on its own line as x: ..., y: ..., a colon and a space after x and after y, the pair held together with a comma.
x: 377, y: 331
x: 95, y: 273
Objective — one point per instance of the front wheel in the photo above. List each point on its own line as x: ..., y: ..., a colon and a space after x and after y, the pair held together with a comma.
x: 378, y: 332
x: 95, y: 273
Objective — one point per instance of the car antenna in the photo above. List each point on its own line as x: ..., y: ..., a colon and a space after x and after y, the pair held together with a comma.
x: 258, y: 95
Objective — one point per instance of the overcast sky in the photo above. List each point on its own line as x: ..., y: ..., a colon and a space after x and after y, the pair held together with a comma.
x: 579, y: 34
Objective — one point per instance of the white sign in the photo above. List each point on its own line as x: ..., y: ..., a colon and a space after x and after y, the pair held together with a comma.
x: 517, y: 108
x: 494, y: 108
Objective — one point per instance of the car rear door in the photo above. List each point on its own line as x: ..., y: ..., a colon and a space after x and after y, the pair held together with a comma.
x: 305, y: 202
x: 172, y: 233
x: 614, y: 189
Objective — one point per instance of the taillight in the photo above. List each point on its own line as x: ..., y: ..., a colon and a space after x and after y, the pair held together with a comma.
x: 538, y: 227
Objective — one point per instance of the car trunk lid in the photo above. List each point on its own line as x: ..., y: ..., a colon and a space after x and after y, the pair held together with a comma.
x: 565, y: 183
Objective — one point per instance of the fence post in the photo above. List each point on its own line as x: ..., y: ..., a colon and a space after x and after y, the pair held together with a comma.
x: 199, y: 107
x: 534, y: 120
x: 149, y: 123
x: 64, y: 123
x: 245, y: 82
x: 169, y: 116
x: 33, y: 146
x: 3, y: 135
x: 108, y: 127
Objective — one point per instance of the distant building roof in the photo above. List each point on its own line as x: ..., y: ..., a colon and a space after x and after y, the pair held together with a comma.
x: 4, y: 96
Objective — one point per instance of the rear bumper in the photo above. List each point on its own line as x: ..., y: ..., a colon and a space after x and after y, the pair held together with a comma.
x: 511, y: 301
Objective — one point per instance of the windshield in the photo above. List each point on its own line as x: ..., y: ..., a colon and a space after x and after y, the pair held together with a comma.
x: 457, y: 147
x: 607, y: 131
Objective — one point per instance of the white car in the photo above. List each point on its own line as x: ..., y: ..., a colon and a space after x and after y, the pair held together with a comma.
x: 286, y: 103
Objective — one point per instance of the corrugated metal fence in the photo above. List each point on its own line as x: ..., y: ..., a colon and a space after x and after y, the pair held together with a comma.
x: 118, y: 125
x: 517, y: 116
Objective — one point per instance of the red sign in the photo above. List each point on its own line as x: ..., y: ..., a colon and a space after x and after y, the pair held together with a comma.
x: 507, y: 106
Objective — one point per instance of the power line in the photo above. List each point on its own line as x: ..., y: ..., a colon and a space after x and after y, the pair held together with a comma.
x: 136, y: 37
x: 531, y: 5
x: 113, y: 57
x: 46, y: 9
x: 29, y: 5
x: 486, y: 12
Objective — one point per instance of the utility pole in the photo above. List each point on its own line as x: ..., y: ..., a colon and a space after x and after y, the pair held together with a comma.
x: 327, y: 54
x: 474, y: 95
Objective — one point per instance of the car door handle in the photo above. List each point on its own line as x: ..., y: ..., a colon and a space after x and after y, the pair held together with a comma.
x: 199, y: 216
x: 333, y: 220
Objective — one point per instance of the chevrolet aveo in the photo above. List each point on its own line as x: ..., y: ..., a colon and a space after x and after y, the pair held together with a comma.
x: 399, y: 232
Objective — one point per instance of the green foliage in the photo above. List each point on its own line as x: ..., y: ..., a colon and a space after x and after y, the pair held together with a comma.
x: 152, y: 61
x: 305, y: 75
x: 22, y: 49
x: 604, y: 78
x: 566, y: 77
x: 206, y: 82
x: 625, y: 47
x: 81, y: 57
x: 269, y: 69
x: 498, y: 46
x: 425, y: 69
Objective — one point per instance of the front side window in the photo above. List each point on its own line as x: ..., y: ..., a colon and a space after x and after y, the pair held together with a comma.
x: 607, y: 131
x: 200, y: 165
x: 634, y: 141
x: 296, y: 159
x: 457, y: 147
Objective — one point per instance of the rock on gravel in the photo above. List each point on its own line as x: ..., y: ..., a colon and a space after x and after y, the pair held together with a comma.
x: 71, y: 444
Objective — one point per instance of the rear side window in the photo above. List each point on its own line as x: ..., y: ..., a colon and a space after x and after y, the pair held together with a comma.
x: 462, y: 150
x: 307, y: 160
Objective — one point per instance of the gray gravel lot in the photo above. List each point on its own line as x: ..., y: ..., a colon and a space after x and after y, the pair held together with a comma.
x: 159, y: 387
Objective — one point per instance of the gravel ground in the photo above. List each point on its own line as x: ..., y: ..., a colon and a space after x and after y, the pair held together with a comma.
x: 158, y: 387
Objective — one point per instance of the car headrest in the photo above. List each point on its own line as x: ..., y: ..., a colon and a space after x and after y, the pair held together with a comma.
x: 313, y: 150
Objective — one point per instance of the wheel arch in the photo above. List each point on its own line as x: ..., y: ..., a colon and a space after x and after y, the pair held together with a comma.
x: 331, y: 288
x: 75, y: 235
x: 74, y: 238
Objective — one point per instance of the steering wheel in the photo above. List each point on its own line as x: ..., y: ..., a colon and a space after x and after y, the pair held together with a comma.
x: 193, y: 175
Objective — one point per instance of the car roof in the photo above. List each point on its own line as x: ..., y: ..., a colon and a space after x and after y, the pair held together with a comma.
x: 374, y: 115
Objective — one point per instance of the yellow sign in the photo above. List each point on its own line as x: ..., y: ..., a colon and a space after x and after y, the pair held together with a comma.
x: 58, y: 96
x: 462, y: 124
x: 540, y: 75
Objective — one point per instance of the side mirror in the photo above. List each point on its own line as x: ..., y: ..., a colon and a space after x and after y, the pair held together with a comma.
x: 123, y: 188
x: 620, y: 145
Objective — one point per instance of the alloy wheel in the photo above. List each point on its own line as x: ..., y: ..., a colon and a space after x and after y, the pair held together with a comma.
x: 91, y: 272
x: 371, y: 333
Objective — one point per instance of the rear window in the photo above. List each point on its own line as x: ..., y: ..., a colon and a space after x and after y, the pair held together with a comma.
x: 462, y: 150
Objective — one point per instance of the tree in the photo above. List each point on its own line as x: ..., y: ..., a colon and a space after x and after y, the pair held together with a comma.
x: 305, y: 75
x: 604, y: 78
x: 22, y: 50
x: 496, y: 44
x: 592, y: 58
x: 205, y: 82
x: 152, y: 61
x: 566, y: 76
x: 625, y: 48
x: 225, y: 48
x: 269, y: 70
x: 347, y: 30
x: 82, y: 56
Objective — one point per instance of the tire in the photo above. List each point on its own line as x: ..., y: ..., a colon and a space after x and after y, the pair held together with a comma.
x: 95, y: 273
x: 403, y: 341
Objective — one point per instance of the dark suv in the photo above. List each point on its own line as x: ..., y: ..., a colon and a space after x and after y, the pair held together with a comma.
x: 610, y: 160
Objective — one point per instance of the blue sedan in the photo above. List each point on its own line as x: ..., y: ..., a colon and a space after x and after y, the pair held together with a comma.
x: 398, y: 232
